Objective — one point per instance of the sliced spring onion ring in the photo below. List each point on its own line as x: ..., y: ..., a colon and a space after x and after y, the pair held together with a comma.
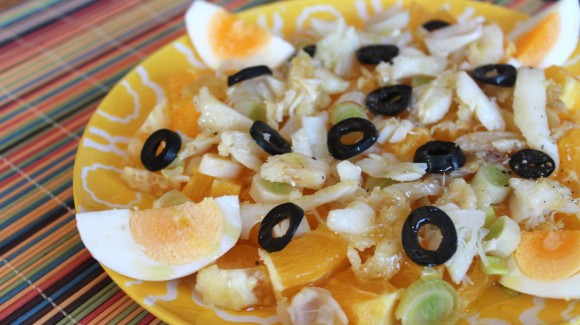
x: 429, y: 300
x: 493, y: 265
x: 503, y: 238
x: 345, y: 110
x: 491, y: 185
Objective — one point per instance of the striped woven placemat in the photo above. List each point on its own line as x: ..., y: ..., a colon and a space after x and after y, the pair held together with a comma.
x: 58, y: 58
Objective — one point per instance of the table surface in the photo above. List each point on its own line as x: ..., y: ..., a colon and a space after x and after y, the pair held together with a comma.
x: 58, y: 59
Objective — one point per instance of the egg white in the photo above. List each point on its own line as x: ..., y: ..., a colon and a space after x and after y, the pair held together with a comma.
x: 107, y: 236
x: 568, y: 288
x: 198, y: 20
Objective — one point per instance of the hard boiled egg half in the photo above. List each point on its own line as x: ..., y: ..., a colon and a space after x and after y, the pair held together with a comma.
x: 549, y: 37
x: 164, y: 243
x: 219, y: 36
x: 546, y: 264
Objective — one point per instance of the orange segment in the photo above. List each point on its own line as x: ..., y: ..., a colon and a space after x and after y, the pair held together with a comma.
x: 533, y: 45
x: 405, y: 149
x: 178, y: 234
x: 549, y: 255
x: 221, y: 187
x: 181, y: 86
x: 186, y: 85
x: 198, y: 187
x: 569, y: 83
x: 569, y: 151
x: 368, y: 302
x: 232, y: 37
x: 471, y: 291
x: 307, y: 260
x: 239, y: 257
x: 184, y: 117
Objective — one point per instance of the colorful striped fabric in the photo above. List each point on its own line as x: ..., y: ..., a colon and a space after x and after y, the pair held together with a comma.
x: 58, y: 58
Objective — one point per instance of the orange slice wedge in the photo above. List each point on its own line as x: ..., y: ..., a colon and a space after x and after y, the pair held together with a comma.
x: 299, y: 264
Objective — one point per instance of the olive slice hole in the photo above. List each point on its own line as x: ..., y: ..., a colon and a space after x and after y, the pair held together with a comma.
x: 492, y: 73
x: 281, y: 228
x: 160, y: 148
x: 352, y: 138
x: 430, y: 237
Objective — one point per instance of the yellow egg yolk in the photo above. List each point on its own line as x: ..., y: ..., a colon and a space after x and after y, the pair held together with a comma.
x: 549, y: 255
x: 233, y: 38
x: 533, y: 46
x: 179, y: 234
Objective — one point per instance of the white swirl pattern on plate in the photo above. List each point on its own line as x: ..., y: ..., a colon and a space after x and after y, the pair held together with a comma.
x: 159, y: 93
x: 307, y: 11
x: 277, y: 25
x: 169, y: 296
x: 189, y: 54
x: 111, y: 146
x: 530, y: 316
x: 136, y: 108
x: 96, y: 166
x: 476, y: 320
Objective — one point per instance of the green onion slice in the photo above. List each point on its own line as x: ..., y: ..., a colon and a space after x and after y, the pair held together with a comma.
x: 345, y: 110
x: 489, y: 217
x: 497, y: 175
x: 494, y: 266
x: 277, y: 187
x: 417, y: 81
x: 429, y: 300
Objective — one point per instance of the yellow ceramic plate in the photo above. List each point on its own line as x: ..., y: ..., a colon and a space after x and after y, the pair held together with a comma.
x: 97, y: 183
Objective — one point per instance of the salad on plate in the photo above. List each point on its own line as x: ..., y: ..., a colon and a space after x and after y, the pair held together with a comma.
x: 392, y: 170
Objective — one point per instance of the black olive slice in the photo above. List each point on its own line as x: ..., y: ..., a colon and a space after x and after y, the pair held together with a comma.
x: 375, y: 54
x: 310, y: 49
x: 155, y: 160
x: 290, y: 211
x: 440, y: 156
x: 248, y: 73
x: 389, y: 100
x: 532, y: 164
x: 502, y: 75
x: 410, y: 236
x: 343, y: 151
x: 269, y: 139
x: 435, y: 24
